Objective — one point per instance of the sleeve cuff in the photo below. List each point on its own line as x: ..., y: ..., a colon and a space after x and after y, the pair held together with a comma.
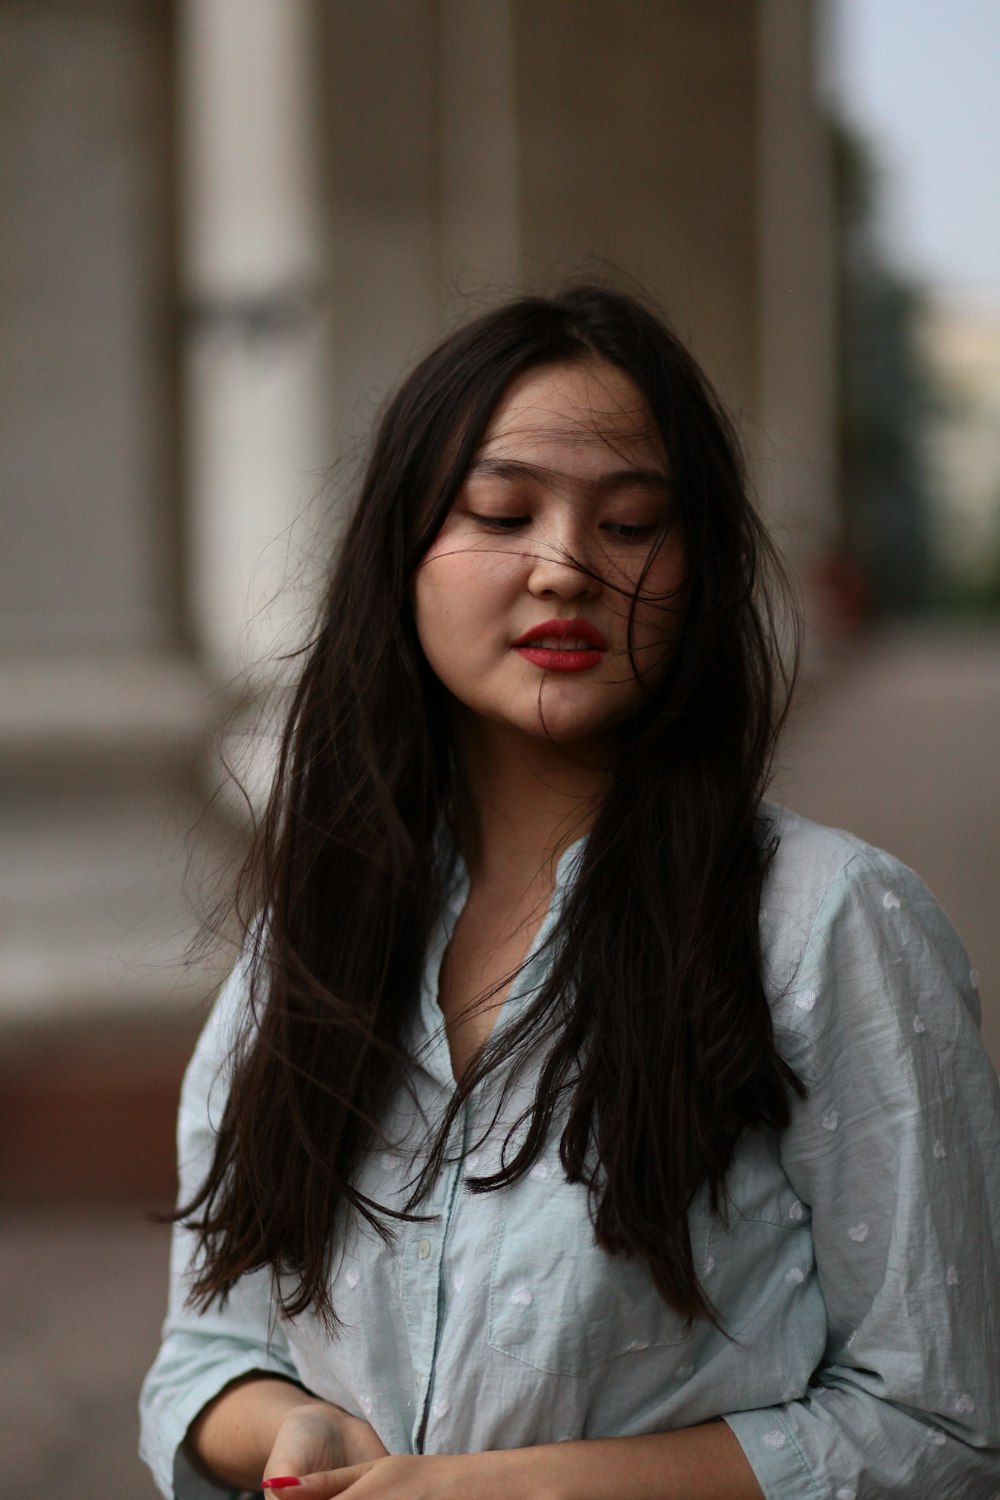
x: 772, y: 1452
x: 165, y: 1423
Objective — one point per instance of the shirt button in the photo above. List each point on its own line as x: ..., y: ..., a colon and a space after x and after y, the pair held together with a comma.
x: 424, y: 1249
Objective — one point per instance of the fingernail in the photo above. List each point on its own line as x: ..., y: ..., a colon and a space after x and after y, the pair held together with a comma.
x: 280, y: 1484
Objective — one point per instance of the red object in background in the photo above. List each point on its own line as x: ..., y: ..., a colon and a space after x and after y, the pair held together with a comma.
x: 88, y: 1112
x: 840, y: 599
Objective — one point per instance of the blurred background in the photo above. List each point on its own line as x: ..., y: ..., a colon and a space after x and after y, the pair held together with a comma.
x: 226, y: 226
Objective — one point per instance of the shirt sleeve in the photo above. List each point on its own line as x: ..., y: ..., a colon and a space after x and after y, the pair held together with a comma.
x: 896, y: 1154
x: 203, y: 1352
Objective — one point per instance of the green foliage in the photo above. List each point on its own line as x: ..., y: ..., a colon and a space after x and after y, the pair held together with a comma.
x: 885, y: 394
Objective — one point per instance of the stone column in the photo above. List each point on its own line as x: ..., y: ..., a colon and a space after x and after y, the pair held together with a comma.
x: 255, y: 292
x: 101, y: 709
x: 796, y: 353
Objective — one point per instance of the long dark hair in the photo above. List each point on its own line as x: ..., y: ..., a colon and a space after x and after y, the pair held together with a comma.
x: 652, y: 1028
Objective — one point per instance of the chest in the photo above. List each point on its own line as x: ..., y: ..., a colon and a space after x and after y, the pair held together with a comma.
x: 489, y: 943
x: 500, y: 1321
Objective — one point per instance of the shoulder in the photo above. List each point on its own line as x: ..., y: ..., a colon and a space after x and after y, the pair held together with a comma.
x: 852, y: 937
x: 208, y: 1074
x: 821, y: 879
x: 809, y: 863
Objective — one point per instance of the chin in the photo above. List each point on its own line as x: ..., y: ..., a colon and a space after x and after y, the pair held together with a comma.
x: 565, y: 723
x: 557, y: 730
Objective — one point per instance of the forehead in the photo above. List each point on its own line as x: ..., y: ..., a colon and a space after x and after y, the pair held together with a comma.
x: 581, y: 412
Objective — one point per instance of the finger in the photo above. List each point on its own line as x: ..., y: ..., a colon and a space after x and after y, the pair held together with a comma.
x: 321, y: 1486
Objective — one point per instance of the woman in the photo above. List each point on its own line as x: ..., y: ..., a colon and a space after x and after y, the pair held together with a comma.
x: 576, y: 1124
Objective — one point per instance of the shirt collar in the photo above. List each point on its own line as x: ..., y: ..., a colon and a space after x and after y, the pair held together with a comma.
x: 430, y: 1041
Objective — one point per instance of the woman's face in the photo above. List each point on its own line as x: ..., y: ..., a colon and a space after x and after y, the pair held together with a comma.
x: 522, y: 602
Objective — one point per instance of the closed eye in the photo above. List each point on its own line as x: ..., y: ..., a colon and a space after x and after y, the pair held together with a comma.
x: 631, y: 533
x: 498, y: 523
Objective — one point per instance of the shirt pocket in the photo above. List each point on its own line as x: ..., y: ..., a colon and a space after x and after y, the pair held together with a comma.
x: 560, y: 1303
x: 762, y: 1251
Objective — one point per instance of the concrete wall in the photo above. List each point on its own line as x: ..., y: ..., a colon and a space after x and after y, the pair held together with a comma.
x: 638, y: 142
x: 87, y: 458
x: 477, y: 147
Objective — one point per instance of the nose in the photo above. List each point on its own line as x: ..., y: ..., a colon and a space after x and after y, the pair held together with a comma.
x: 558, y: 570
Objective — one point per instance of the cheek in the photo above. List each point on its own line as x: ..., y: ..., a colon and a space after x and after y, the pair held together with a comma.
x: 461, y: 584
x: 662, y: 603
x: 453, y: 603
x: 431, y: 608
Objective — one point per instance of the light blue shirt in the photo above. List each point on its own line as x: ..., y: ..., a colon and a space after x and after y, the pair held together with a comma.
x: 857, y: 1278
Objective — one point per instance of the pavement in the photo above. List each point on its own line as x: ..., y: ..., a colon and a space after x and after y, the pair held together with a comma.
x: 899, y: 742
x: 82, y: 1290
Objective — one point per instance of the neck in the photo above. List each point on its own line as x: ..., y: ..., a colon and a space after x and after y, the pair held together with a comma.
x: 523, y: 800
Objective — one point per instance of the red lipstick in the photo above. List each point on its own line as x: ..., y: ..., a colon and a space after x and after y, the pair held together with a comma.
x: 562, y: 645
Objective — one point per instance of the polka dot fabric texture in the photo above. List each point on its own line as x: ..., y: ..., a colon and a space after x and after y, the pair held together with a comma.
x: 855, y: 1275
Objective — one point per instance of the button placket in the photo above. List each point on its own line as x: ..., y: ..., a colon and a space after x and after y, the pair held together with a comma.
x: 427, y: 1293
x: 423, y: 1277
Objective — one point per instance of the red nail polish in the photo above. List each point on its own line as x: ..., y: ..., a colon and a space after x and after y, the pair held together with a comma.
x: 280, y: 1484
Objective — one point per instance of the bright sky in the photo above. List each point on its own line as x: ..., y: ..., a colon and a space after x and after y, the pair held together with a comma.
x: 922, y: 78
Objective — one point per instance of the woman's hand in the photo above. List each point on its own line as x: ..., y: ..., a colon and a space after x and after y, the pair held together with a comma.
x: 315, y: 1437
x: 699, y: 1463
x: 260, y: 1424
x: 461, y: 1476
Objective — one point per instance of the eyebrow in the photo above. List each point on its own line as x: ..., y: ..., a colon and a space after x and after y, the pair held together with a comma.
x: 615, y: 479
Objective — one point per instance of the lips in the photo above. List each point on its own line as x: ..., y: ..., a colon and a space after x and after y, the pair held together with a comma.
x: 564, y: 635
x: 562, y: 645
